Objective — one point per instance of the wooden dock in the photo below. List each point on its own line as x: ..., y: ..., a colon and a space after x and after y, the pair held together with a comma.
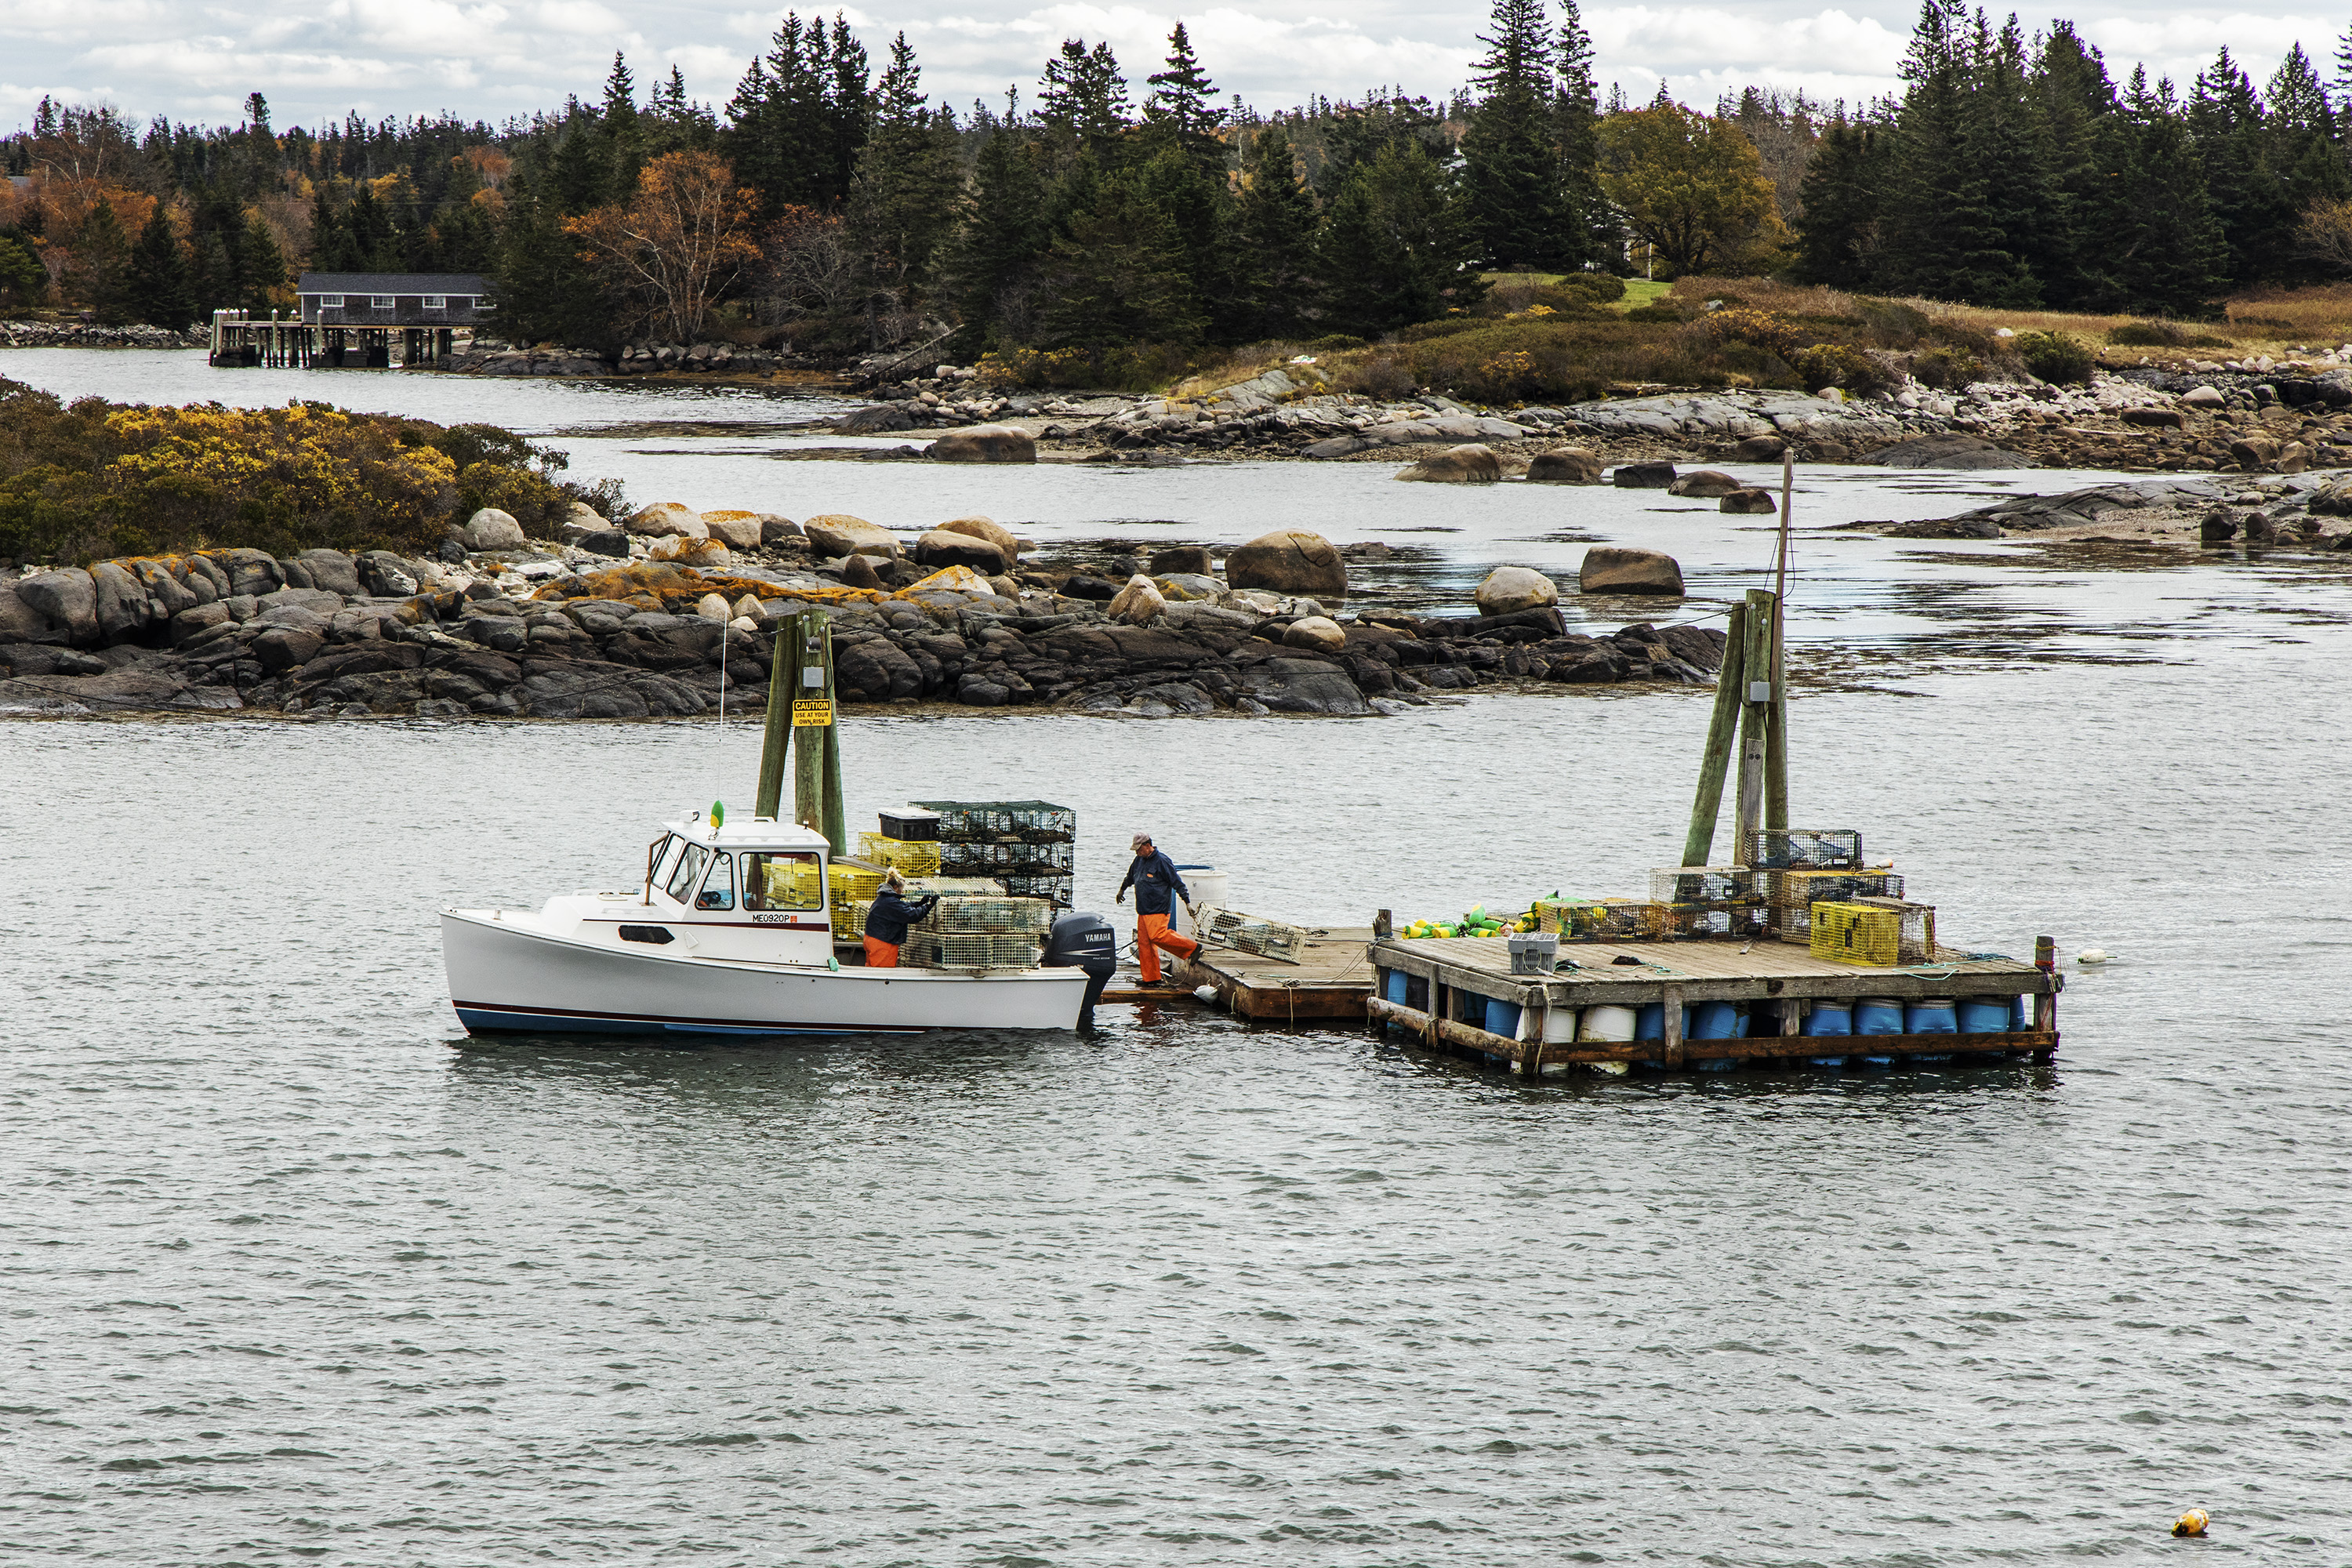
x: 1330, y: 982
x: 1446, y: 983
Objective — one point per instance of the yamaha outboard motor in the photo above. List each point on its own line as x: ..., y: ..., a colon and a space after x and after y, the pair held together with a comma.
x: 1084, y: 941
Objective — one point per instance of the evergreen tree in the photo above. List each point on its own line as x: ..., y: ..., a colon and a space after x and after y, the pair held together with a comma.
x: 1083, y: 98
x: 102, y: 262
x: 1178, y: 113
x: 2161, y: 247
x: 1588, y: 234
x: 546, y: 293
x: 623, y: 135
x: 908, y: 179
x: 577, y: 184
x: 1395, y: 250
x: 1945, y: 233
x: 848, y: 108
x: 1274, y: 233
x: 1117, y: 276
x: 1839, y: 237
x: 1003, y: 237
x: 156, y: 288
x: 2231, y: 130
x: 1510, y: 167
x: 1200, y: 209
x: 2073, y: 94
x: 262, y: 266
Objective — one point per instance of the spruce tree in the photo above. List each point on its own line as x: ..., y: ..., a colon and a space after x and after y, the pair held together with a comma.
x: 907, y: 181
x: 102, y: 262
x: 1274, y: 233
x: 1395, y: 249
x: 1117, y: 276
x: 1083, y: 98
x: 622, y: 136
x: 1838, y: 235
x: 2073, y: 95
x: 1180, y: 114
x: 262, y: 266
x: 1944, y: 235
x: 545, y: 291
x: 1510, y: 167
x: 2161, y: 250
x: 1588, y: 235
x: 2250, y: 202
x: 156, y: 289
x: 1004, y: 233
x: 577, y: 182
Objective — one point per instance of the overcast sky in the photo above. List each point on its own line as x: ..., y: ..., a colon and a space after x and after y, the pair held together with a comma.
x: 316, y: 59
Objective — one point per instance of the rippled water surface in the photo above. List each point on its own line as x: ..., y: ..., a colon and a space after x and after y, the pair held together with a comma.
x: 295, y: 1272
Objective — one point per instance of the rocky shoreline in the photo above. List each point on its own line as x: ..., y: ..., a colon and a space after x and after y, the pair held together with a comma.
x: 2308, y: 512
x: 655, y: 618
x: 90, y: 335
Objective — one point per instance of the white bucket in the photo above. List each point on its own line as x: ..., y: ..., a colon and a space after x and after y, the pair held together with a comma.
x: 1607, y: 1023
x: 1208, y: 887
x: 1560, y: 1026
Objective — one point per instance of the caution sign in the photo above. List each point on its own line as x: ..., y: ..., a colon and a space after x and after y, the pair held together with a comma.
x: 813, y: 713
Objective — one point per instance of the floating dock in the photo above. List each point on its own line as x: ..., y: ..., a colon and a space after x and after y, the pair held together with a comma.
x: 1438, y: 991
x: 1330, y: 982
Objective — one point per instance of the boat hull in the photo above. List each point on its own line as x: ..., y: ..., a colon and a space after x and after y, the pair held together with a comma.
x: 506, y: 977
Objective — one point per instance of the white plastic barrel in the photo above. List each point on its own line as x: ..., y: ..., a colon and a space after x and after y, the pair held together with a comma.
x: 1560, y: 1026
x: 1208, y: 886
x: 1607, y: 1023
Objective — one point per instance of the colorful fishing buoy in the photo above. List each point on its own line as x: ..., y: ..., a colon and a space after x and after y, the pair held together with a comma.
x: 717, y: 813
x: 2193, y: 1523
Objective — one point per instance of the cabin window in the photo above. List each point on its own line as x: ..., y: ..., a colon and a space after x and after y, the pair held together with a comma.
x: 784, y: 880
x: 688, y: 872
x: 331, y: 302
x: 719, y: 888
x: 436, y: 301
x: 656, y: 854
x: 380, y: 301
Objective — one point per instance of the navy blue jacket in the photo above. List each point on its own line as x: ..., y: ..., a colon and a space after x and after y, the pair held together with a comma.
x: 890, y: 916
x: 1151, y: 876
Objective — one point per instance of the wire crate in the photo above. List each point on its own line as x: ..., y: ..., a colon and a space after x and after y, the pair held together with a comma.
x: 1702, y: 885
x: 973, y: 887
x: 1789, y: 895
x: 1057, y: 891
x: 1028, y: 821
x: 853, y: 879
x: 970, y: 950
x: 958, y: 857
x: 1267, y: 939
x: 989, y: 916
x: 1600, y: 919
x: 915, y: 859
x: 1881, y: 932
x: 1805, y: 848
x: 1727, y: 919
x: 849, y: 918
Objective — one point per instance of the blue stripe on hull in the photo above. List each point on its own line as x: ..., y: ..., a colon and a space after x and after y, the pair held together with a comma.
x: 495, y: 1020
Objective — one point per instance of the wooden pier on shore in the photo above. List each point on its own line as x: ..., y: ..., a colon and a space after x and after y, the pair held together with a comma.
x: 1438, y: 990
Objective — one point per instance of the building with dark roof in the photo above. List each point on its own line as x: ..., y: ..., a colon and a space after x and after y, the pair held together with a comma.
x: 395, y: 299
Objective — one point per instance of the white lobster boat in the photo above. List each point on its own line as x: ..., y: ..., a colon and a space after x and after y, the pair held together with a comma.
x: 729, y: 934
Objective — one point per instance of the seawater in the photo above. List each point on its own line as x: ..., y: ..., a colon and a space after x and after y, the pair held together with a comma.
x: 298, y: 1272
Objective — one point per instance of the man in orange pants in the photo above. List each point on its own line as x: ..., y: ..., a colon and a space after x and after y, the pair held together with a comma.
x: 1153, y: 877
x: 887, y: 920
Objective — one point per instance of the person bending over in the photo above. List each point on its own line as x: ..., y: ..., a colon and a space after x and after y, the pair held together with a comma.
x: 1153, y: 877
x: 887, y: 917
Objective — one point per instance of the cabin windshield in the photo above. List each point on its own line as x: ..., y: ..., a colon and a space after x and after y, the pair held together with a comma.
x: 719, y: 888
x: 781, y: 880
x: 654, y: 853
x: 688, y: 872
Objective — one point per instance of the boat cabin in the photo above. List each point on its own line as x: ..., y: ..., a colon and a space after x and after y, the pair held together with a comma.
x: 750, y: 889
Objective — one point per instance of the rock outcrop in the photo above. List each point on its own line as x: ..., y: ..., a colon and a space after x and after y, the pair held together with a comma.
x: 984, y: 444
x: 1509, y: 589
x: 1289, y: 561
x: 1466, y: 465
x: 1614, y: 569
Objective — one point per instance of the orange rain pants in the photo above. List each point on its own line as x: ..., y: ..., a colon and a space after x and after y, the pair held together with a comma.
x: 1151, y: 934
x: 880, y: 955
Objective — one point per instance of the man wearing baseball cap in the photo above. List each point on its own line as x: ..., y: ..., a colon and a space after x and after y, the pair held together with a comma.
x: 1153, y: 877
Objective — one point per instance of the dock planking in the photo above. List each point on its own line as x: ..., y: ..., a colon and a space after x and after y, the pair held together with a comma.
x: 1455, y: 977
x: 1331, y: 982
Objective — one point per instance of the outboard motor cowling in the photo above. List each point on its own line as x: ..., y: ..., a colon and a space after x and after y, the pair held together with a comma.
x: 1083, y: 940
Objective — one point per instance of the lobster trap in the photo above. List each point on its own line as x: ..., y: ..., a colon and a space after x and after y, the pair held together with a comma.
x: 1881, y: 933
x: 1705, y: 901
x: 1057, y: 891
x: 962, y: 914
x: 853, y: 879
x: 970, y: 950
x: 959, y: 857
x: 1805, y: 849
x: 1025, y: 821
x: 1600, y: 919
x: 1267, y: 939
x: 1789, y: 895
x: 913, y: 858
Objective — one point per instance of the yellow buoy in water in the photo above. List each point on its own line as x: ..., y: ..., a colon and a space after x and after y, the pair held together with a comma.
x: 2193, y: 1523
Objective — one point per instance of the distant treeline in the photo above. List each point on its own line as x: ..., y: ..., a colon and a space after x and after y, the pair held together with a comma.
x: 831, y: 204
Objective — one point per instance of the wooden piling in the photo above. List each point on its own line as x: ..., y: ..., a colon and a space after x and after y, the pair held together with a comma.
x: 1754, y: 718
x: 832, y: 823
x: 782, y: 672
x: 1721, y: 725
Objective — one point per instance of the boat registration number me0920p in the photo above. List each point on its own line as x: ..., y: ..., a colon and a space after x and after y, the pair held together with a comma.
x: 772, y: 920
x: 813, y: 713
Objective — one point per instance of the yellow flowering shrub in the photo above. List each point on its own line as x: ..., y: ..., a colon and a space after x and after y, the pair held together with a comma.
x: 97, y: 479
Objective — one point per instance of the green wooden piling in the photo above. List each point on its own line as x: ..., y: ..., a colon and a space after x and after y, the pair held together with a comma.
x: 808, y: 741
x: 1754, y: 718
x: 781, y: 673
x: 1707, y: 804
x: 835, y: 828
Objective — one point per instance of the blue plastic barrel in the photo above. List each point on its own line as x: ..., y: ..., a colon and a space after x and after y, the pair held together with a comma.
x: 1716, y: 1021
x: 1878, y: 1015
x: 1502, y: 1018
x: 1984, y: 1014
x: 1397, y: 981
x: 2020, y: 1013
x: 1830, y: 1018
x: 1935, y: 1016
